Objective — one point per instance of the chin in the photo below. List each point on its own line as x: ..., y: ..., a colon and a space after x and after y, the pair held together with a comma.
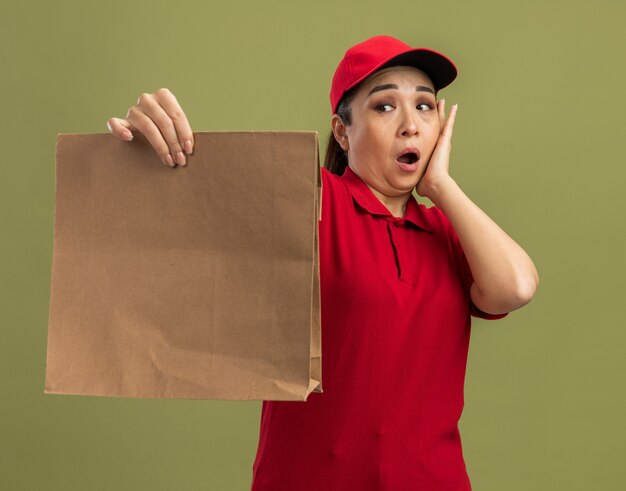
x: 406, y: 186
x: 412, y: 178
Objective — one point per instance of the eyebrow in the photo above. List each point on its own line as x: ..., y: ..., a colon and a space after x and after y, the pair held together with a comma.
x: 419, y: 88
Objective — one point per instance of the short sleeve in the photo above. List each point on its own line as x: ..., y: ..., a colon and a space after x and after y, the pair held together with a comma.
x: 466, y: 273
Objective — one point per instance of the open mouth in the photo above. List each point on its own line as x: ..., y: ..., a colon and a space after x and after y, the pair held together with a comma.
x: 408, y: 158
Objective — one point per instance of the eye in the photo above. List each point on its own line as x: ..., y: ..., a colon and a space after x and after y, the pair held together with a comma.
x: 379, y: 107
x: 425, y: 104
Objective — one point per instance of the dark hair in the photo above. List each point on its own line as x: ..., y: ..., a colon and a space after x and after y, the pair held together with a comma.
x: 336, y: 159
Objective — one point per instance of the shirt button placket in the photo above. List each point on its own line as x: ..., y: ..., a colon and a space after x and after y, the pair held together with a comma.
x: 391, y: 226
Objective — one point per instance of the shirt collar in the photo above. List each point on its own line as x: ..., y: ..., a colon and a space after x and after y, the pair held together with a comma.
x: 366, y: 199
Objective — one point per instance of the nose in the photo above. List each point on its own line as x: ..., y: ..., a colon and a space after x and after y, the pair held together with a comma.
x: 409, y: 124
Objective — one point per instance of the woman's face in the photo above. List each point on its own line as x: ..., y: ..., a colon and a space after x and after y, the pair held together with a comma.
x: 393, y: 110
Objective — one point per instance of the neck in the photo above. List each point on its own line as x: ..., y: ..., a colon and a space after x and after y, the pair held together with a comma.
x: 395, y: 204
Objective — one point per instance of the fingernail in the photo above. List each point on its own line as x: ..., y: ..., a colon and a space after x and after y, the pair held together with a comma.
x: 128, y: 135
x: 168, y: 160
x: 180, y: 158
x: 188, y: 147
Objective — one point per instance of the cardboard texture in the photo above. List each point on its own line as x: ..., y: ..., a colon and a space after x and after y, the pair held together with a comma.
x: 194, y: 282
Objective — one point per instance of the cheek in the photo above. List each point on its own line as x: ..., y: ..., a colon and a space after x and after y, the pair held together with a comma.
x: 435, y: 124
x: 431, y: 137
x: 366, y: 140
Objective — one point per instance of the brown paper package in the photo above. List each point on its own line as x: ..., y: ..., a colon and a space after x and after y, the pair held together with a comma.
x: 194, y: 282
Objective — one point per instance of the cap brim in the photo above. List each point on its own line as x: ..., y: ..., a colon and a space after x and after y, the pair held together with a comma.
x: 438, y: 67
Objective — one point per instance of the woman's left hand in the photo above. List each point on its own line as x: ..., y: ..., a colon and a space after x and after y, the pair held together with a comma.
x: 436, y: 172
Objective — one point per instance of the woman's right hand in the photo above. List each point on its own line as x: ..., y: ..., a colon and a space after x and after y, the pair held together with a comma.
x: 160, y: 118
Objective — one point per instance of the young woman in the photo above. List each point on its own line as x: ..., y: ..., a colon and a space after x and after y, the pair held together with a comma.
x: 399, y: 282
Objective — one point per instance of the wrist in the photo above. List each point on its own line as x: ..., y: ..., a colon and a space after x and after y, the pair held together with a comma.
x: 440, y: 188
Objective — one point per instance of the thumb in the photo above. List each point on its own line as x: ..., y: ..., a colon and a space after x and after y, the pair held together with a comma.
x: 121, y: 128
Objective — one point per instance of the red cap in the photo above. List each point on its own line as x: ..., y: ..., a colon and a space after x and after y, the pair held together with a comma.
x: 378, y: 52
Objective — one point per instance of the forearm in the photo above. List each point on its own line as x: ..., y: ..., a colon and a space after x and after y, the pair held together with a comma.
x: 504, y: 274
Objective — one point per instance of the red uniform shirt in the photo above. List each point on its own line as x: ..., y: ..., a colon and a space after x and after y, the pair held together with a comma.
x: 395, y: 312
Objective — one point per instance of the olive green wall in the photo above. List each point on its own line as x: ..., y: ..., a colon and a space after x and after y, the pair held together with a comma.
x: 538, y: 144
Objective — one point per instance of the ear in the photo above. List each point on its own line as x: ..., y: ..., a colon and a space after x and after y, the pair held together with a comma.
x: 339, y: 130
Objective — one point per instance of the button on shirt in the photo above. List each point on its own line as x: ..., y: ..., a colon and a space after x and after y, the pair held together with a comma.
x: 395, y: 312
